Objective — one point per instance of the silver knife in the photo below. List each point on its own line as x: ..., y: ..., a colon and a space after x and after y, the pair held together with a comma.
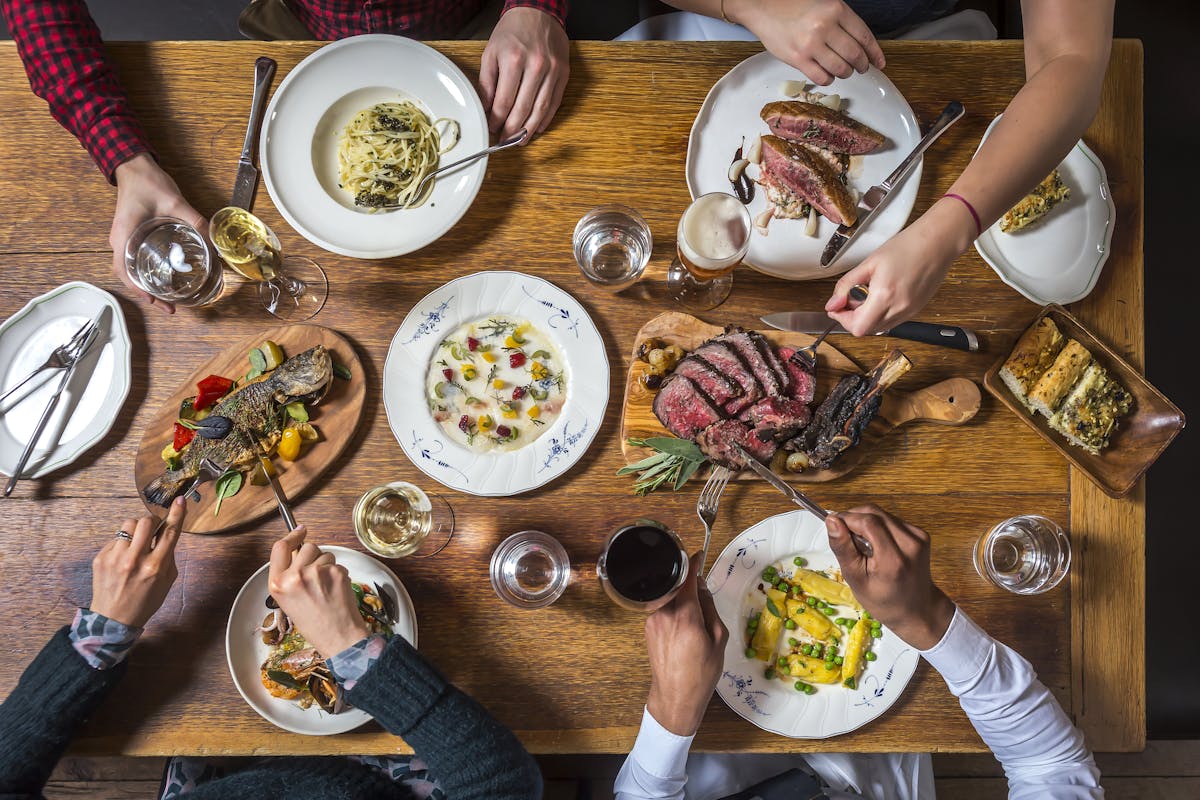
x: 817, y: 321
x: 799, y: 498
x: 875, y: 197
x: 285, y: 510
x: 247, y: 174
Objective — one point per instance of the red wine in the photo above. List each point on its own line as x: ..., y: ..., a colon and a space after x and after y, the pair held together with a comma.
x: 643, y: 562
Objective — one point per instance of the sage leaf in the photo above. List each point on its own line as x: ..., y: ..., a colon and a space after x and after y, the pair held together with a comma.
x: 773, y: 608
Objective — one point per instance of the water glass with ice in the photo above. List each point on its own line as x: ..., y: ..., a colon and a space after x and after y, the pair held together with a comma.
x: 168, y: 258
x: 612, y: 246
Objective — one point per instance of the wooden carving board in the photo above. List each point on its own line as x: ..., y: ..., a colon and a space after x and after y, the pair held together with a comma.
x: 336, y: 417
x: 950, y: 402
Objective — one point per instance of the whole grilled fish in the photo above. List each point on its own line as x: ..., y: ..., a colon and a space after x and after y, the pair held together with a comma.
x: 254, y: 411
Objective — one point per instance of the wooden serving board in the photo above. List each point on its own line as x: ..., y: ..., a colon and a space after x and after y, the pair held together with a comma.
x: 950, y: 402
x: 336, y: 417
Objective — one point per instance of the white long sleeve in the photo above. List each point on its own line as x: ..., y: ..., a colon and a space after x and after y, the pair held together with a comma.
x: 655, y: 768
x: 1042, y: 753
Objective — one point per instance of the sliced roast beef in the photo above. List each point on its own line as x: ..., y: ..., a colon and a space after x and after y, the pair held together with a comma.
x: 809, y: 177
x: 725, y: 359
x: 820, y: 125
x: 804, y: 383
x: 719, y: 441
x: 781, y: 417
x: 714, y: 383
x: 771, y: 379
x: 683, y: 408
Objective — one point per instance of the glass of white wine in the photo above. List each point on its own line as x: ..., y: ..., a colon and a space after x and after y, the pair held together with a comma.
x: 292, y: 288
x: 398, y: 519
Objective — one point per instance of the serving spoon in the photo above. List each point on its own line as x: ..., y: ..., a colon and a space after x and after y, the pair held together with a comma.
x: 517, y: 138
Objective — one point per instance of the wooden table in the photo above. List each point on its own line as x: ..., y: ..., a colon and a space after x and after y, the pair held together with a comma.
x: 571, y: 678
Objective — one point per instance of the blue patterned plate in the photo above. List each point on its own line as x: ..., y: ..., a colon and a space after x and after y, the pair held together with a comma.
x: 442, y: 312
x: 772, y: 704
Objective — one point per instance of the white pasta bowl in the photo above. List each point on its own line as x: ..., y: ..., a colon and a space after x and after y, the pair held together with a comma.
x: 311, y: 108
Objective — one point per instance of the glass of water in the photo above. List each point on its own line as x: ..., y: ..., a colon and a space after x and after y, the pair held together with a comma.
x: 1028, y: 554
x: 530, y: 569
x: 612, y: 246
x: 168, y: 258
x: 399, y: 519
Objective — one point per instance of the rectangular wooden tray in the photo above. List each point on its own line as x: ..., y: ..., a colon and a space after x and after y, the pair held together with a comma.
x: 1141, y: 436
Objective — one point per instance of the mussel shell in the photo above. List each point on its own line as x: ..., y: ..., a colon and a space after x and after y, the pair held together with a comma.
x: 326, y: 692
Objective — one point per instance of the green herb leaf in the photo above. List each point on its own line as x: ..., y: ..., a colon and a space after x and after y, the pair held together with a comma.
x: 645, y: 463
x: 773, y: 608
x: 676, y: 447
x: 229, y: 484
x: 284, y: 679
x: 258, y: 361
x: 685, y: 474
x: 297, y: 411
x: 341, y: 371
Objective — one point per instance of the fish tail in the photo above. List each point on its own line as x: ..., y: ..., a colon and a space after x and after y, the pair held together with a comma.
x: 163, y: 489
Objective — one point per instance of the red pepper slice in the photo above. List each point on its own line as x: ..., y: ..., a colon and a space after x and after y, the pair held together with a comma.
x: 182, y: 437
x: 211, y: 389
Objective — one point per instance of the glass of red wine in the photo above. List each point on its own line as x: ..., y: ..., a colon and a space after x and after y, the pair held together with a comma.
x: 642, y: 566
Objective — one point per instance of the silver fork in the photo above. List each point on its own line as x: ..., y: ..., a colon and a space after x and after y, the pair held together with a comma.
x: 806, y: 357
x: 59, y: 359
x: 209, y: 471
x: 706, y: 508
x: 512, y: 141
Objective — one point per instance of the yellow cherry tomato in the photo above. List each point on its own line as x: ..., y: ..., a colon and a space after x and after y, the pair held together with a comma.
x: 534, y: 412
x: 289, y: 445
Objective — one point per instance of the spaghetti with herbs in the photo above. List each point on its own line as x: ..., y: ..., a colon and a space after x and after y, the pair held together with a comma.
x: 387, y: 150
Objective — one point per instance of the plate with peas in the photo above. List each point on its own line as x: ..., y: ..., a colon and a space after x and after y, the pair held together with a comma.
x: 804, y: 659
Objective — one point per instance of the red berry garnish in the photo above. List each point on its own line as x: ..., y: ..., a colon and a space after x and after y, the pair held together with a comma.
x: 464, y: 423
x: 448, y: 374
x: 472, y: 343
x: 516, y: 360
x: 518, y: 392
x: 503, y: 431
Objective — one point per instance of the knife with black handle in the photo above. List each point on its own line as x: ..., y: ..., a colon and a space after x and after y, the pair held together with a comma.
x: 927, y: 332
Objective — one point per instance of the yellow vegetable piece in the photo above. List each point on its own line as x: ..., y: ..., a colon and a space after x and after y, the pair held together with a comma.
x: 308, y: 431
x: 534, y: 412
x: 538, y: 371
x: 486, y: 423
x: 289, y: 445
x: 827, y: 589
x: 169, y: 452
x: 469, y: 372
x: 766, y: 635
x: 258, y: 475
x: 511, y: 342
x: 814, y: 622
x: 812, y: 670
x: 855, y: 642
x: 273, y: 353
x: 509, y: 413
x: 497, y: 384
x: 489, y: 357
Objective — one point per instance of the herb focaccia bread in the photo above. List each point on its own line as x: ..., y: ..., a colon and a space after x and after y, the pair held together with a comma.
x: 1057, y: 381
x: 1089, y: 414
x: 1035, y: 205
x: 1035, y: 352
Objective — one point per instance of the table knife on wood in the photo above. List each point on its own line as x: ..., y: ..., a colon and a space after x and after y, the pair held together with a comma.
x: 815, y: 322
x: 247, y: 174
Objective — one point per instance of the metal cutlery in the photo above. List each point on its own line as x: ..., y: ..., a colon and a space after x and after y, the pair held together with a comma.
x: 875, y: 197
x: 70, y: 361
x: 512, y: 141
x: 806, y: 357
x: 706, y: 508
x: 247, y: 174
x: 941, y: 335
x: 285, y: 510
x: 59, y: 359
x: 209, y: 471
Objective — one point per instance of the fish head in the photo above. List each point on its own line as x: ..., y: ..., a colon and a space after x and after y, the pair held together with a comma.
x: 306, y: 376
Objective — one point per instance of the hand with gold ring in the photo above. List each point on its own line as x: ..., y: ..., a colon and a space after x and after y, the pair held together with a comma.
x: 132, y: 573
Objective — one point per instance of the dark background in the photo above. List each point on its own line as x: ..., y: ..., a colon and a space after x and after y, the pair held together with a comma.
x: 1168, y: 30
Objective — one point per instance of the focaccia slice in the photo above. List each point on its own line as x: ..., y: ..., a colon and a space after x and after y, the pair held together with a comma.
x: 1037, y: 204
x: 1088, y: 416
x: 1057, y: 381
x: 1035, y: 352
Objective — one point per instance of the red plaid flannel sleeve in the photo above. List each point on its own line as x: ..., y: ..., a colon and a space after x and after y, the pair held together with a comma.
x: 60, y: 46
x: 555, y: 8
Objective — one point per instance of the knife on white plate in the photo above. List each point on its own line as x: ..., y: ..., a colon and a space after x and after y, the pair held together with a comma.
x: 817, y: 321
x: 875, y: 197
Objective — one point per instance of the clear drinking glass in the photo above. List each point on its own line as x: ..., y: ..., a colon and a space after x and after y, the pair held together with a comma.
x: 612, y: 246
x: 169, y: 259
x: 1028, y: 554
x: 399, y: 519
x: 530, y: 569
x: 642, y: 566
x: 293, y: 288
x: 713, y: 238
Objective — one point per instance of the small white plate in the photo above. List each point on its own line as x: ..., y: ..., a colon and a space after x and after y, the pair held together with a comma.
x: 731, y: 112
x: 472, y: 297
x: 306, y: 117
x: 1059, y: 259
x: 91, y: 401
x: 772, y: 704
x: 245, y: 651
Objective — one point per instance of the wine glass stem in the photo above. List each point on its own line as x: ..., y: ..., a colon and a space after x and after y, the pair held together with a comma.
x: 291, y: 286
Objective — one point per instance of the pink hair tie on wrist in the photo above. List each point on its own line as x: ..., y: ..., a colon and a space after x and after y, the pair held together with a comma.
x: 971, y: 208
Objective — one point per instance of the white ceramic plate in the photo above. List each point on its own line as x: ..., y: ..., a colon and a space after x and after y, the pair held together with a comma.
x: 245, y: 651
x: 311, y: 108
x: 774, y: 705
x: 1059, y: 259
x: 731, y: 111
x: 89, y: 405
x: 514, y: 294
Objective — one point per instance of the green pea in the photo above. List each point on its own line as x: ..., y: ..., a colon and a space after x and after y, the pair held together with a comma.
x: 876, y: 633
x: 866, y: 614
x: 799, y: 685
x: 807, y: 649
x: 838, y: 660
x: 840, y: 621
x: 793, y: 641
x: 850, y: 625
x: 812, y: 601
x: 799, y: 561
x: 869, y: 656
x: 751, y: 652
x: 782, y: 662
x: 752, y: 624
x: 808, y: 689
x: 829, y: 666
x: 782, y: 585
x: 769, y: 673
x: 768, y: 575
x: 790, y: 624
x: 831, y: 648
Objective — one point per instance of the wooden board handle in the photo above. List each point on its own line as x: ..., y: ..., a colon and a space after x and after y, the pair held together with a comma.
x: 951, y: 402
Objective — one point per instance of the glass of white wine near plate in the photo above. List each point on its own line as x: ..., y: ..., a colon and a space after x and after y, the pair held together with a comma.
x: 291, y: 288
x: 1027, y: 554
x: 713, y: 238
x: 400, y: 520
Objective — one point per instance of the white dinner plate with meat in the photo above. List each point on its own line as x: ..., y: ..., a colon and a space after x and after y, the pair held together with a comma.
x: 731, y: 114
x: 431, y: 339
x: 775, y: 704
x: 246, y: 652
x: 1058, y: 258
x: 311, y: 108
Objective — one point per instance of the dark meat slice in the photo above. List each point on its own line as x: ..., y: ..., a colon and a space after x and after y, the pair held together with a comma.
x: 719, y: 441
x: 683, y: 408
x: 726, y: 360
x: 820, y: 125
x: 767, y: 350
x: 718, y: 386
x: 841, y: 427
x: 771, y: 380
x: 822, y: 425
x: 804, y: 383
x: 804, y: 174
x: 780, y: 417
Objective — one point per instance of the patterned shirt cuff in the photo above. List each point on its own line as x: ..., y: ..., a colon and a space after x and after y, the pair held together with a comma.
x: 113, y: 141
x: 102, y: 642
x: 555, y: 8
x: 351, y: 664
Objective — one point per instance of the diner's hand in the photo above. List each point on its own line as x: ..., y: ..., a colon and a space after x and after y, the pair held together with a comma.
x: 524, y: 71
x: 893, y: 583
x: 131, y: 578
x: 315, y: 592
x: 686, y: 643
x: 145, y: 191
x: 821, y: 38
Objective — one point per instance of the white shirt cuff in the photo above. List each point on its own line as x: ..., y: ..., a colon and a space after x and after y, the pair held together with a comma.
x: 658, y: 751
x: 962, y: 652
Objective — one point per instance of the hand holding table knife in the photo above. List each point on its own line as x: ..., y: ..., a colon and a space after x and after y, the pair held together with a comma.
x: 815, y: 322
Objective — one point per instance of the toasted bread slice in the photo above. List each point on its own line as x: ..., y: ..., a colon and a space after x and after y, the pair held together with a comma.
x: 1064, y: 373
x: 1035, y: 352
x: 1088, y: 416
x: 1035, y: 205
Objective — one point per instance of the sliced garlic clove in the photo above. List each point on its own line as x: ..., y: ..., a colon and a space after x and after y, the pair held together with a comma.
x: 754, y: 155
x: 792, y: 88
x: 810, y: 229
x: 736, y: 169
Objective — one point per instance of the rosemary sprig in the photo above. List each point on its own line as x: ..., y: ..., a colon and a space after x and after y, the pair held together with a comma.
x: 674, y: 462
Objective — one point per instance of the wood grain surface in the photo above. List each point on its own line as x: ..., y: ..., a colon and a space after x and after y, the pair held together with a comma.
x: 336, y: 418
x: 953, y: 401
x: 573, y: 677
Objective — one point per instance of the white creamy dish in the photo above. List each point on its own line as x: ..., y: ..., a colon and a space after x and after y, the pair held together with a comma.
x: 496, y: 383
